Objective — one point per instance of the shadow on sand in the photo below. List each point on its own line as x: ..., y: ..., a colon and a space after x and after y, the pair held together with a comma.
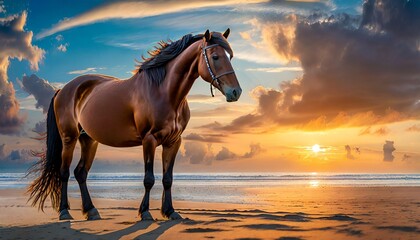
x: 62, y: 230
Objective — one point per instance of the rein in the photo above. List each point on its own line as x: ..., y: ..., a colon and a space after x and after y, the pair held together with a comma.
x: 214, y: 77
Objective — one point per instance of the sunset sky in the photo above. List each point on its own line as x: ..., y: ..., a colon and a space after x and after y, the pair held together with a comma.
x: 328, y: 85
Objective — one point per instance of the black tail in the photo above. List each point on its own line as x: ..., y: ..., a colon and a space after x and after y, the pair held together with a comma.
x: 49, y: 182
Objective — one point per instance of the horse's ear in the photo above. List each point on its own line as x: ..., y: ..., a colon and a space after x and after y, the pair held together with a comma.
x: 226, y: 34
x: 207, y: 35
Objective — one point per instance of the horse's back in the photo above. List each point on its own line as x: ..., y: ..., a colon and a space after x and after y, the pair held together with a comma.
x: 74, y: 94
x: 77, y: 91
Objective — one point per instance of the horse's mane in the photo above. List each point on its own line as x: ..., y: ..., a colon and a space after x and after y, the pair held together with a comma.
x: 154, y: 65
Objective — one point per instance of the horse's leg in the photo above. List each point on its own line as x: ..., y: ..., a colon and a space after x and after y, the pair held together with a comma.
x: 149, y: 147
x: 168, y: 160
x: 88, y: 147
x: 69, y: 139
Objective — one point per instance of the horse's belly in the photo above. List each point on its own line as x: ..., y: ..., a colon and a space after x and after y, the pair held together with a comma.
x: 110, y: 127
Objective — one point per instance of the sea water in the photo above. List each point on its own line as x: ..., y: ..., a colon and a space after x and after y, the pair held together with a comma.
x: 214, y: 187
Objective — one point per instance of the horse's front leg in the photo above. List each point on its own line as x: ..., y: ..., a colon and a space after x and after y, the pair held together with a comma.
x: 149, y: 147
x: 168, y: 160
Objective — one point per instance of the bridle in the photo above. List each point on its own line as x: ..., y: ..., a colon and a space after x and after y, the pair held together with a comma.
x: 214, y: 77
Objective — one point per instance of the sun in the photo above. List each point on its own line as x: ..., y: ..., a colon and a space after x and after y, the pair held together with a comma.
x: 316, y: 148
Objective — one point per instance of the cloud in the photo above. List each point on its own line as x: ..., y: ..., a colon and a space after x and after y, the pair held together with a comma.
x: 349, y: 155
x: 275, y: 69
x: 388, y: 149
x: 84, y: 71
x: 140, y: 9
x: 2, y: 151
x: 381, y: 131
x: 414, y: 128
x: 15, y: 42
x: 406, y: 157
x: 357, y: 70
x: 2, y: 9
x: 225, y: 153
x: 254, y: 149
x: 198, y: 153
x: 15, y: 156
x: 63, y: 47
x: 59, y: 38
x: 204, y: 138
x: 40, y: 127
x: 40, y: 88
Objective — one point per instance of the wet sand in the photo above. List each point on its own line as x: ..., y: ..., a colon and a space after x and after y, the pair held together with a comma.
x: 287, y: 213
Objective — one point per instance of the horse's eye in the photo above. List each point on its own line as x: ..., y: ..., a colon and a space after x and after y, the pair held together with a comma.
x: 215, y: 57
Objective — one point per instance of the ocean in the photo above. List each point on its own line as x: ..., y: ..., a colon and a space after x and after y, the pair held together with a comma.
x: 215, y: 187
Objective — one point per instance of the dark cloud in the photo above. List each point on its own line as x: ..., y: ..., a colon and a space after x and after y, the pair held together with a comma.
x: 15, y: 42
x: 15, y: 156
x: 204, y: 137
x: 357, y: 71
x: 40, y: 88
x: 2, y: 151
x: 40, y: 127
x: 349, y: 155
x: 398, y: 17
x: 388, y: 150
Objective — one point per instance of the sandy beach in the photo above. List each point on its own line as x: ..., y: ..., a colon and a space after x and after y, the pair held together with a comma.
x: 287, y: 213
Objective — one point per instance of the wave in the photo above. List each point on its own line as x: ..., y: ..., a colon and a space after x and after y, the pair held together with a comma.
x: 285, y: 178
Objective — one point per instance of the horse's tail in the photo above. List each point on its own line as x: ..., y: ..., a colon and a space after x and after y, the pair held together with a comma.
x: 48, y: 183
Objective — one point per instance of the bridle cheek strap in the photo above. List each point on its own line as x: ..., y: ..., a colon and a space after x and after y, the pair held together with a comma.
x: 214, y: 78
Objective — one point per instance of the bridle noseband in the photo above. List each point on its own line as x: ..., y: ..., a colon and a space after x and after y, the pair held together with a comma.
x: 214, y: 77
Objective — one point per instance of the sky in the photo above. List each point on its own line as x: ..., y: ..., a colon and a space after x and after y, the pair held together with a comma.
x: 328, y: 85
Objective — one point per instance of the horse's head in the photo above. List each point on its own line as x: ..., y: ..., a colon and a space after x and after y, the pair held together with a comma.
x: 215, y: 66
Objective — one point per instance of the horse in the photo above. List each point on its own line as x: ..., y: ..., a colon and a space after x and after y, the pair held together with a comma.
x: 149, y: 109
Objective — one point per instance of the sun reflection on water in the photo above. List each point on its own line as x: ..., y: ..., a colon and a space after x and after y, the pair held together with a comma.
x: 314, y: 183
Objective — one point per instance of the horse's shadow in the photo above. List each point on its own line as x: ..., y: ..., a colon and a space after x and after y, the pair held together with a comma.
x: 63, y: 230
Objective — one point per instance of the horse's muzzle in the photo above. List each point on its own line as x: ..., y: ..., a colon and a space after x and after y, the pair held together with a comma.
x: 233, y: 94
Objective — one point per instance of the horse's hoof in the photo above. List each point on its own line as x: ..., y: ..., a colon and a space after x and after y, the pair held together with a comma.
x: 146, y: 216
x: 65, y: 215
x: 92, y: 214
x: 175, y: 216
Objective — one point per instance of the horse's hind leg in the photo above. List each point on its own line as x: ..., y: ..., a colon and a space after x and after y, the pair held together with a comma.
x: 88, y: 147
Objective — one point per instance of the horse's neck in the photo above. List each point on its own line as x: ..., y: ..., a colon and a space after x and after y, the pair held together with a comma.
x: 181, y: 74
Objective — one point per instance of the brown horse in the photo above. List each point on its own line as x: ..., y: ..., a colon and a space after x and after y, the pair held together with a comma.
x: 149, y: 109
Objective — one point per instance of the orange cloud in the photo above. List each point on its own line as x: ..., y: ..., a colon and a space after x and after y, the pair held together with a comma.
x: 381, y: 131
x: 15, y: 42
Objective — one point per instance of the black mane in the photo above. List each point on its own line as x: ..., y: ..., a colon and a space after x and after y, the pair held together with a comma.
x: 154, y: 66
